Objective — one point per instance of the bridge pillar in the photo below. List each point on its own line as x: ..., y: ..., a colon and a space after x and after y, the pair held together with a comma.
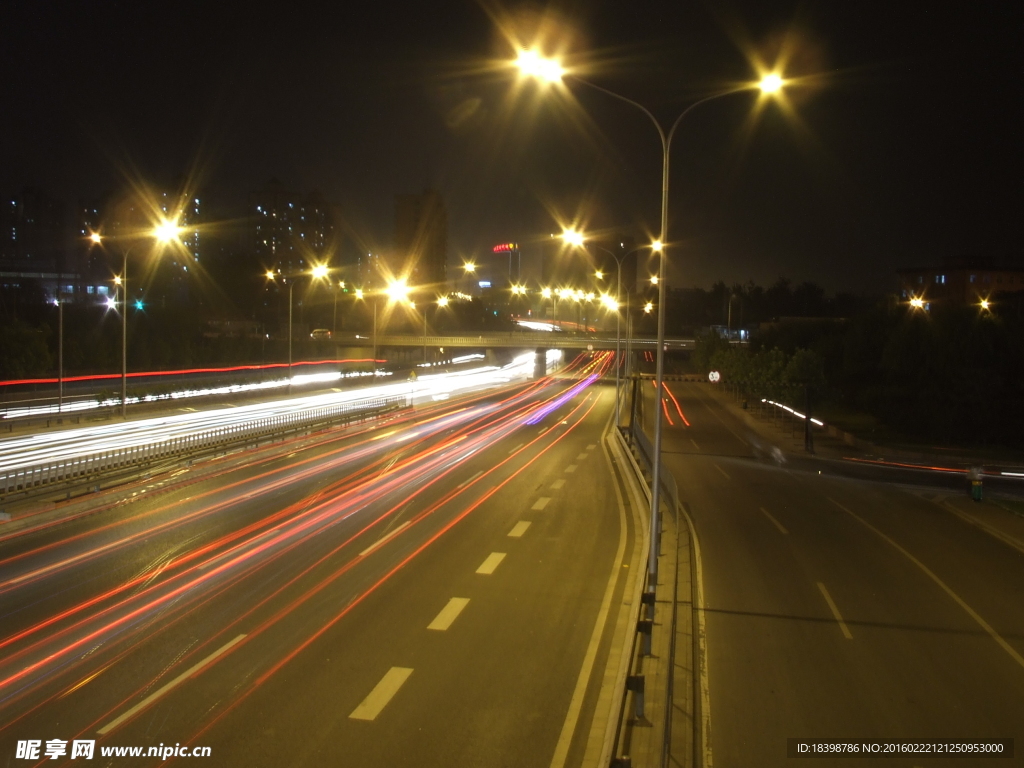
x: 540, y: 363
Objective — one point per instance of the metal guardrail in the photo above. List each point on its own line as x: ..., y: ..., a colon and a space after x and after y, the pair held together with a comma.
x: 79, y: 468
x: 668, y: 483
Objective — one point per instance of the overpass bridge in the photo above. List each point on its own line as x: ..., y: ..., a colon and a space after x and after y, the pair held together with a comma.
x: 517, y: 340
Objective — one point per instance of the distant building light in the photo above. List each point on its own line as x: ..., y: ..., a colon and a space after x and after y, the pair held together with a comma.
x: 484, y: 283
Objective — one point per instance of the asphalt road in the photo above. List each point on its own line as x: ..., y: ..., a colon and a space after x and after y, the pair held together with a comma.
x: 841, y: 604
x: 419, y: 592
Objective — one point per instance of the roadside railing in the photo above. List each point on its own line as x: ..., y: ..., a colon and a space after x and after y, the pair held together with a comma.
x: 80, y: 468
x: 635, y: 689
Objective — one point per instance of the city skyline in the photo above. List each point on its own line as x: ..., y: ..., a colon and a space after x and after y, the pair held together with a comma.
x: 865, y: 177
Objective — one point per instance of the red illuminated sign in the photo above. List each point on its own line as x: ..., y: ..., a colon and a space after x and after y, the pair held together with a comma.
x: 505, y: 247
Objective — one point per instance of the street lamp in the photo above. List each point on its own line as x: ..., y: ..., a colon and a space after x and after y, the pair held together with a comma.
x: 318, y: 272
x: 579, y: 240
x: 166, y: 231
x: 532, y: 64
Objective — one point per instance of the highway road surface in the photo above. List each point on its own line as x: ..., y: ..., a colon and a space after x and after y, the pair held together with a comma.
x: 425, y: 591
x: 842, y: 607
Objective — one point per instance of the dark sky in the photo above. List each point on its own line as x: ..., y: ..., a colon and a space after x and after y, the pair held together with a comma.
x: 900, y: 143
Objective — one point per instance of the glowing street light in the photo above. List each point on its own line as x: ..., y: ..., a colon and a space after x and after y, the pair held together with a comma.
x: 270, y: 274
x: 96, y: 238
x: 648, y: 307
x: 167, y: 231
x: 398, y: 291
x: 917, y: 302
x: 320, y: 271
x: 771, y: 83
x: 599, y: 275
x: 656, y: 246
x: 442, y: 301
x: 359, y: 293
x: 532, y: 64
x: 985, y: 304
x: 654, y: 280
x: 469, y: 267
x: 573, y: 237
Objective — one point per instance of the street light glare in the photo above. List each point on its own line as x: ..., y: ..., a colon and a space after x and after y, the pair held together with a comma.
x: 985, y: 304
x: 572, y: 237
x: 599, y: 275
x: 442, y: 301
x: 270, y: 274
x: 546, y: 293
x: 532, y: 64
x: 917, y: 303
x: 398, y: 291
x: 320, y: 271
x: 359, y: 293
x: 648, y: 307
x: 771, y: 83
x: 656, y: 246
x: 469, y: 266
x: 96, y: 238
x: 166, y: 231
x: 117, y: 279
x: 654, y: 280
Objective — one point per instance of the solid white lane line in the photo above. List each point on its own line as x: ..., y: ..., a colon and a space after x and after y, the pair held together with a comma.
x: 382, y: 693
x: 722, y: 471
x: 448, y: 614
x: 519, y: 529
x: 557, y: 484
x: 381, y: 541
x: 516, y: 448
x: 582, y: 456
x: 694, y: 443
x: 570, y: 469
x: 945, y: 588
x: 168, y: 686
x: 467, y: 482
x: 488, y: 566
x: 835, y: 612
x: 778, y: 525
x: 540, y: 503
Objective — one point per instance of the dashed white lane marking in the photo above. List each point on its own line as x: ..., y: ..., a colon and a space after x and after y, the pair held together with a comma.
x: 582, y: 456
x: 591, y: 447
x: 778, y: 525
x: 835, y: 612
x: 722, y: 471
x: 557, y: 484
x: 694, y: 443
x: 540, y: 503
x: 570, y: 469
x: 519, y: 529
x: 474, y: 477
x: 488, y: 566
x: 516, y: 448
x: 382, y: 693
x: 381, y: 541
x: 173, y: 683
x: 448, y: 614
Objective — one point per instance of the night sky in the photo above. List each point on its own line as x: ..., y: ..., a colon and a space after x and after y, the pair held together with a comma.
x: 900, y: 143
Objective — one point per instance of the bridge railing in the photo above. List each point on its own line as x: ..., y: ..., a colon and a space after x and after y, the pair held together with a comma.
x: 84, y: 467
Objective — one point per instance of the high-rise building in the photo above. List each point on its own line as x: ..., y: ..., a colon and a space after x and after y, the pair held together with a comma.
x: 421, y: 238
x: 288, y: 231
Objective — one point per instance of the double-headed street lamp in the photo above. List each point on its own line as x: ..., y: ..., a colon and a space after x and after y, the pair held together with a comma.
x: 578, y: 239
x: 532, y: 64
x: 318, y: 272
x: 165, y: 232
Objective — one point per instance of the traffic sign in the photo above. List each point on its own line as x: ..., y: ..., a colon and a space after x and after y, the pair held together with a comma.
x: 714, y: 377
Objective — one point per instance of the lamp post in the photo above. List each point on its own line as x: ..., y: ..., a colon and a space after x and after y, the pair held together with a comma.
x: 577, y: 239
x: 318, y: 272
x: 60, y: 351
x: 166, y: 231
x: 530, y: 63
